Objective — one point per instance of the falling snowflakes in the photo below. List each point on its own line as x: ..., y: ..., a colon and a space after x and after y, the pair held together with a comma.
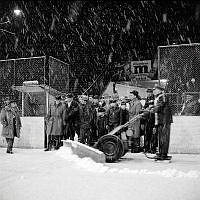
x: 89, y: 36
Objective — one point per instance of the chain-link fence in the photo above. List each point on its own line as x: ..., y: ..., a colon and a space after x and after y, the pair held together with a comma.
x: 58, y: 75
x: 179, y: 66
x: 13, y: 73
x: 7, y: 79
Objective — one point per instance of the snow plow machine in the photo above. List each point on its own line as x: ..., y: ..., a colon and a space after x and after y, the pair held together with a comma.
x: 113, y: 145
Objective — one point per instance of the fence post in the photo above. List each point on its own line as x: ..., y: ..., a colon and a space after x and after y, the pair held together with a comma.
x: 158, y: 65
x: 22, y: 104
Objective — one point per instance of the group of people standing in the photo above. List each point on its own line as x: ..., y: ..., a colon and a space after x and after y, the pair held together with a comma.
x: 88, y: 117
x: 91, y: 117
x: 69, y: 116
x: 158, y: 114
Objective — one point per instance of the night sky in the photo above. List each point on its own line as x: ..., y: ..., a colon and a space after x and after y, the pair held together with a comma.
x: 93, y: 36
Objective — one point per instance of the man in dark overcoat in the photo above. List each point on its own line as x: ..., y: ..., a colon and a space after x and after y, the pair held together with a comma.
x: 86, y: 116
x: 113, y: 115
x: 150, y: 141
x: 95, y: 106
x: 163, y: 120
x: 71, y: 117
x: 124, y: 114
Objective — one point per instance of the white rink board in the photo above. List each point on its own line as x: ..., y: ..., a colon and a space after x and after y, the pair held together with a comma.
x: 185, y: 134
x: 32, y: 133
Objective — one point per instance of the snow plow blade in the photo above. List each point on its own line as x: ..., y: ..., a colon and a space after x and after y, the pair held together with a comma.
x: 82, y: 150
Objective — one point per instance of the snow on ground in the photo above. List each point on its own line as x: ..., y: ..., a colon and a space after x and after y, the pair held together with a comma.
x: 90, y: 165
x: 33, y: 174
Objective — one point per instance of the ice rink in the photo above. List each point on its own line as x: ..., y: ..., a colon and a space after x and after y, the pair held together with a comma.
x: 32, y: 174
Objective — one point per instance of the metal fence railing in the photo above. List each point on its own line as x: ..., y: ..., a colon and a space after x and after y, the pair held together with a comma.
x: 13, y: 73
x: 24, y: 79
x: 179, y: 66
x: 58, y: 75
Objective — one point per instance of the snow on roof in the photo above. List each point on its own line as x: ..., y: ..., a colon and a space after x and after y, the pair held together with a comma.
x: 36, y: 89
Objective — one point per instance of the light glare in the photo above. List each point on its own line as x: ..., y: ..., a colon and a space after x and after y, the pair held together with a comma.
x: 17, y: 12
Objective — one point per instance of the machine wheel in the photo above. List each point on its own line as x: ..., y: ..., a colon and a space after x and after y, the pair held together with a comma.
x: 111, y: 146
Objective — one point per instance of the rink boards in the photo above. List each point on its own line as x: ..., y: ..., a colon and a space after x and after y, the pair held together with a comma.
x: 32, y: 133
x: 185, y: 134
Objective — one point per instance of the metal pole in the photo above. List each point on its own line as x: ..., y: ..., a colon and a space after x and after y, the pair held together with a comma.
x: 177, y: 103
x: 158, y: 65
x: 22, y: 104
x: 47, y: 101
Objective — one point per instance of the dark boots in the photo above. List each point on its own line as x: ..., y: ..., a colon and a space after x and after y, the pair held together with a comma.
x: 10, y: 142
x: 135, y: 146
x: 58, y: 142
x: 49, y: 146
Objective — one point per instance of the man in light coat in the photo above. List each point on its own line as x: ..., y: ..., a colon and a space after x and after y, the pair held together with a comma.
x: 10, y: 119
x: 55, y: 124
x: 134, y: 109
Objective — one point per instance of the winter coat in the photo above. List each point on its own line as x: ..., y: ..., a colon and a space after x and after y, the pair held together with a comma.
x: 86, y: 115
x: 134, y: 109
x: 113, y: 116
x: 7, y: 116
x: 162, y: 110
x: 124, y: 116
x: 55, y: 121
x: 71, y: 114
x: 94, y: 115
x: 149, y: 101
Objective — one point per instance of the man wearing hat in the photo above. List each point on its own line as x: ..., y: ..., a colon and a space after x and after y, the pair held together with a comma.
x: 124, y: 114
x: 150, y: 142
x: 113, y: 115
x: 10, y: 119
x: 55, y: 124
x: 150, y: 98
x: 163, y: 120
x: 95, y: 105
x: 101, y: 121
x: 86, y: 116
x: 134, y: 109
x: 71, y: 117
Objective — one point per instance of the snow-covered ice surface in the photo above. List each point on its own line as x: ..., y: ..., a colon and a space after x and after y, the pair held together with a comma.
x: 33, y: 174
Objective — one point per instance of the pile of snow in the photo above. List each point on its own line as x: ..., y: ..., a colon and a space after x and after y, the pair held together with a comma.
x: 90, y: 165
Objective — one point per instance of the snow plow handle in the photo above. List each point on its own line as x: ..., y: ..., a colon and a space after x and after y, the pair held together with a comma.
x: 115, y: 130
